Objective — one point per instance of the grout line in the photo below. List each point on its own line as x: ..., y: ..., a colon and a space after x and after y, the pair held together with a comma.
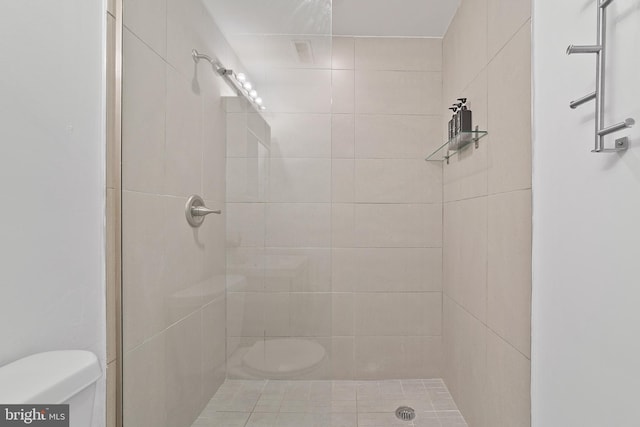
x: 485, y: 325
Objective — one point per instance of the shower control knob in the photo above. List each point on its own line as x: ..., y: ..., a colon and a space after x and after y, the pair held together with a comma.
x: 195, y: 211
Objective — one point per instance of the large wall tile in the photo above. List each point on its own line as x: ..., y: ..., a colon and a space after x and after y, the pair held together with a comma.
x: 465, y: 254
x: 399, y: 54
x: 246, y: 180
x: 508, y: 397
x: 240, y: 141
x: 342, y: 91
x: 342, y: 358
x: 300, y: 180
x: 143, y: 123
x: 379, y: 225
x: 213, y: 348
x: 342, y: 136
x: 143, y: 267
x: 342, y: 53
x: 297, y: 91
x: 465, y: 45
x: 298, y: 224
x: 465, y: 349
x: 145, y: 391
x: 398, y: 314
x: 183, y: 352
x: 185, y: 251
x: 396, y: 357
x: 398, y: 92
x: 300, y: 135
x: 505, y: 17
x: 342, y: 314
x: 189, y: 26
x: 245, y: 314
x: 342, y: 180
x: 147, y: 19
x: 246, y: 224
x: 343, y: 225
x: 396, y: 136
x: 213, y: 146
x: 277, y: 321
x: 510, y: 147
x: 387, y: 269
x: 509, y: 268
x: 183, y: 153
x: 297, y: 269
x: 244, y: 268
x: 310, y: 314
x: 398, y: 181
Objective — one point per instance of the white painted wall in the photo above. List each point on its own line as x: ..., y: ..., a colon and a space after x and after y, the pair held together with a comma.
x: 52, y: 178
x: 586, y: 281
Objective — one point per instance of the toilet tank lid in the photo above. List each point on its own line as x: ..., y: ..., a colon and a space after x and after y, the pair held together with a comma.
x: 51, y: 377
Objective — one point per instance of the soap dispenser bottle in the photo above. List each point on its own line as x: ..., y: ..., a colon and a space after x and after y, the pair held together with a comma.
x: 452, y: 124
x: 463, y: 121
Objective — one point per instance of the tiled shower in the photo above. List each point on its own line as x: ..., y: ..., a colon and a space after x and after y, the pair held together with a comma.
x: 346, y: 276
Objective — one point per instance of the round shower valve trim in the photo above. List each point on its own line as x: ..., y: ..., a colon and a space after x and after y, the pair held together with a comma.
x: 195, y: 211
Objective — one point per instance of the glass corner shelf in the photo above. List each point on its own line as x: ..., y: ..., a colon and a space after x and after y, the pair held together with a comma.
x: 452, y: 146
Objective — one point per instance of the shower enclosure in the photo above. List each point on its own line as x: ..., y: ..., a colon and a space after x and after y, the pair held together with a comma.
x: 315, y: 297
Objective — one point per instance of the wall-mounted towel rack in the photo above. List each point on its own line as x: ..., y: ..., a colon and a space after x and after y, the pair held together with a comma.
x: 600, y: 50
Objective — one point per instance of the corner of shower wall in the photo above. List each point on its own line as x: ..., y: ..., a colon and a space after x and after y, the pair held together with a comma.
x: 487, y: 215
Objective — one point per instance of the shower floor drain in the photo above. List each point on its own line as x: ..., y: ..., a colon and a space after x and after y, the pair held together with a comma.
x: 405, y: 413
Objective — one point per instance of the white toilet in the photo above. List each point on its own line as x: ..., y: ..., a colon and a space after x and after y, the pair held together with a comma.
x: 55, y: 377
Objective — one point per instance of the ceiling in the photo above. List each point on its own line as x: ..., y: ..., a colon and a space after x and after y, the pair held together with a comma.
x: 393, y: 18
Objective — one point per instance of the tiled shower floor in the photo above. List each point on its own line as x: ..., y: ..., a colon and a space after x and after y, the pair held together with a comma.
x: 269, y: 403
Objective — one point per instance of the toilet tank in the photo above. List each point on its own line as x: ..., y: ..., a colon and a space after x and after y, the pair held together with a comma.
x: 55, y: 377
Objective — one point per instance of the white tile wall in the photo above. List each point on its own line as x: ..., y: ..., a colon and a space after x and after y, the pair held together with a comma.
x: 144, y: 101
x: 396, y: 136
x: 183, y: 148
x: 298, y: 225
x: 399, y: 54
x: 342, y: 136
x: 352, y: 226
x: 398, y: 92
x: 465, y: 254
x: 397, y: 181
x: 300, y: 135
x: 487, y: 215
x: 297, y: 90
x: 245, y: 224
x: 300, y: 180
x: 342, y: 87
x: 173, y: 276
x: 343, y: 53
x: 148, y: 20
x: 387, y: 269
